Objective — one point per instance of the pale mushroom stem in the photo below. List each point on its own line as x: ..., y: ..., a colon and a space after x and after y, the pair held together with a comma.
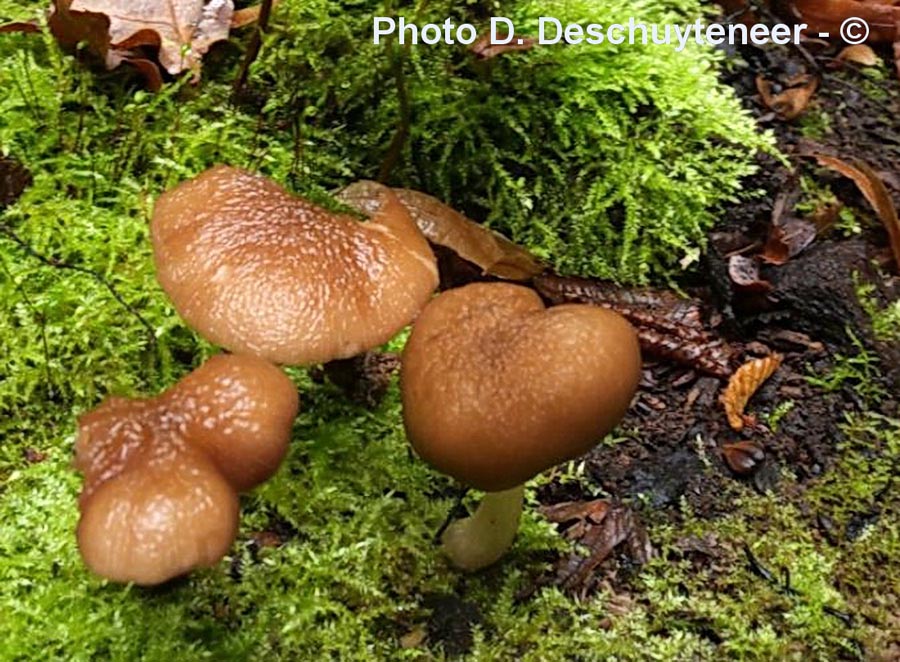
x: 478, y: 541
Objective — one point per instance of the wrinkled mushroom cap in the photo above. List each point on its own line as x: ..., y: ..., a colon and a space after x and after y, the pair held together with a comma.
x: 161, y: 475
x: 260, y: 271
x: 497, y: 388
x: 160, y: 520
x: 240, y: 411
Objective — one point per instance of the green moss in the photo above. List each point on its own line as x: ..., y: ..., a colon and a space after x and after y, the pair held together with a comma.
x: 608, y: 161
x: 617, y: 177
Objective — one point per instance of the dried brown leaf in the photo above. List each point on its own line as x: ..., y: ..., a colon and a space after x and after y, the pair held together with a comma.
x: 26, y: 27
x: 569, y: 511
x: 743, y: 384
x: 744, y: 272
x: 743, y: 457
x: 620, y: 525
x: 181, y: 30
x: 882, y: 16
x: 485, y: 49
x: 442, y: 225
x: 787, y: 239
x: 874, y: 190
x: 860, y: 54
x: 790, y: 102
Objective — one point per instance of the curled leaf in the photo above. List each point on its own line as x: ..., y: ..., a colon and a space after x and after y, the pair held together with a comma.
x: 743, y: 457
x: 860, y: 54
x: 179, y: 32
x: 787, y: 239
x: 442, y: 225
x: 743, y: 384
x: 874, y: 190
x: 744, y: 272
x: 791, y: 101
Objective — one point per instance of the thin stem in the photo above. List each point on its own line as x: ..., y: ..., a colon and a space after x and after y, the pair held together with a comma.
x: 478, y: 541
x: 262, y: 24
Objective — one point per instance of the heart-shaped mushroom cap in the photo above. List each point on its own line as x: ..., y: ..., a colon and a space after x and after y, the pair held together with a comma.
x: 260, y: 271
x: 497, y: 388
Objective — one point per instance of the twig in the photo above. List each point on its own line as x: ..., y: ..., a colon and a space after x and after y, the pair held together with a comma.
x: 395, y: 149
x: 10, y: 234
x: 784, y: 587
x: 262, y: 24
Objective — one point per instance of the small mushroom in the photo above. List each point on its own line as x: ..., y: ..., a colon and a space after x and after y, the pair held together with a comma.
x: 162, y: 475
x: 497, y: 388
x: 262, y: 272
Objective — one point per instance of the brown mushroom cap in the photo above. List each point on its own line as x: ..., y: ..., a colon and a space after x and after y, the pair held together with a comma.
x: 161, y: 475
x: 159, y: 520
x: 260, y: 271
x: 497, y: 388
x: 239, y: 410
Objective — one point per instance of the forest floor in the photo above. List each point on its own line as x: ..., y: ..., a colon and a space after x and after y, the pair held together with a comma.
x: 676, y: 539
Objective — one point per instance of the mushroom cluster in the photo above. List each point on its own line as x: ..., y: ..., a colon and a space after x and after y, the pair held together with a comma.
x: 497, y: 388
x: 162, y: 474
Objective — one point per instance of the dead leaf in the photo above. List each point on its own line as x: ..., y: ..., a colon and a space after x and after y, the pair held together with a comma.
x: 26, y: 27
x: 576, y: 516
x: 442, y: 225
x: 860, y: 54
x: 874, y: 190
x: 743, y: 457
x: 791, y: 101
x: 882, y: 16
x: 244, y: 17
x: 619, y: 525
x: 414, y: 638
x: 787, y: 239
x: 744, y: 272
x: 485, y: 49
x: 743, y: 384
x: 180, y: 31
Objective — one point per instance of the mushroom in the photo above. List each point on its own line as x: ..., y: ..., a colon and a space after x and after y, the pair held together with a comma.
x: 260, y: 271
x: 162, y: 474
x: 497, y: 388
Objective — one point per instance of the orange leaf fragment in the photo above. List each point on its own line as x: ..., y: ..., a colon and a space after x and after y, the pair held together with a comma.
x: 743, y: 384
x: 860, y: 54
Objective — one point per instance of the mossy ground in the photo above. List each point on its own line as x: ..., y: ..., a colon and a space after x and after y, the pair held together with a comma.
x: 357, y: 571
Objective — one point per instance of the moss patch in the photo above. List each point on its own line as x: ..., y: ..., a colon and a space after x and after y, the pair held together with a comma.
x: 618, y: 178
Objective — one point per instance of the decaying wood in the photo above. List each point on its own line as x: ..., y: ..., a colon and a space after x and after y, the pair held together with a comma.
x: 669, y: 327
